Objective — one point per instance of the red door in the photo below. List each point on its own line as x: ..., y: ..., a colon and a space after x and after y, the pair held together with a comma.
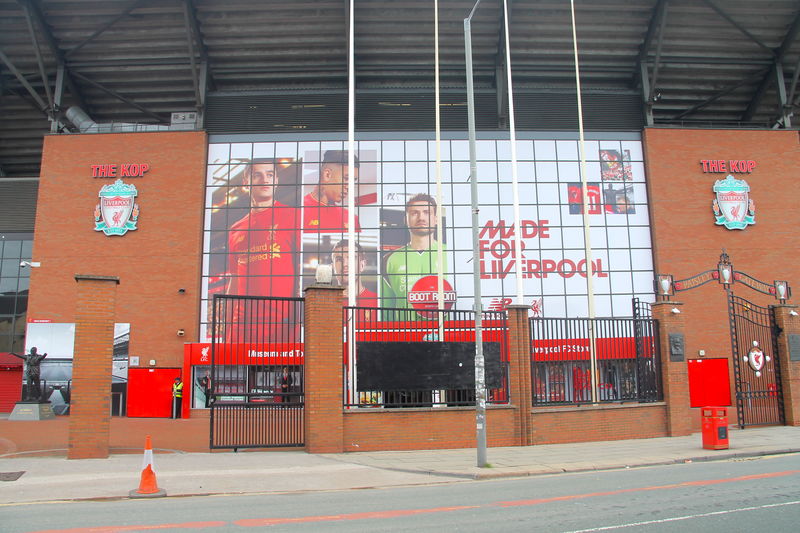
x: 150, y: 391
x: 10, y: 388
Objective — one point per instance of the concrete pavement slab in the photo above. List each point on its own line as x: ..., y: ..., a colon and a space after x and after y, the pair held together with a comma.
x: 48, y: 478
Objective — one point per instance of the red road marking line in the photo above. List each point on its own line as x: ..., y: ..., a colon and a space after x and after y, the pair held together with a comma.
x: 262, y: 522
x: 115, y: 529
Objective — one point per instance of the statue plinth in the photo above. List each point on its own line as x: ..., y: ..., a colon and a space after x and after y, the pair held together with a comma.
x: 32, y: 411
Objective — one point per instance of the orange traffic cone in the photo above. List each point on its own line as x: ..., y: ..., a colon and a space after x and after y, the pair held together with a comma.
x: 148, y: 486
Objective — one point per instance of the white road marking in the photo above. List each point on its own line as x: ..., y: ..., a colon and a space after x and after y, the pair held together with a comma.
x: 688, y: 517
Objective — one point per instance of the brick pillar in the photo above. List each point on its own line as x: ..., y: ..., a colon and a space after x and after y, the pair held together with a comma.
x: 90, y: 403
x: 674, y: 368
x: 519, y: 371
x: 324, y: 420
x: 788, y: 346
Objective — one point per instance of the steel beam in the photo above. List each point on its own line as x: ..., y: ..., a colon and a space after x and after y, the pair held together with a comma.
x: 55, y: 50
x: 780, y: 54
x: 127, y: 11
x: 38, y: 52
x: 793, y: 85
x: 118, y: 96
x: 784, y: 110
x: 656, y: 66
x: 738, y: 26
x: 187, y: 15
x: 201, y: 45
x: 17, y: 74
x: 717, y: 96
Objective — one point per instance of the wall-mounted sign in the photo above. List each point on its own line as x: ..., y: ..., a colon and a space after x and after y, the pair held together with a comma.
x: 117, y: 211
x: 733, y: 207
x: 123, y: 170
x: 720, y: 166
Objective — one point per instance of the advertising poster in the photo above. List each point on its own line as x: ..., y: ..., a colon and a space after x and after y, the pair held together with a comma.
x: 277, y: 210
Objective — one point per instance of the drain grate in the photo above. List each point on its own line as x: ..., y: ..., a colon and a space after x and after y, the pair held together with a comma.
x: 10, y: 476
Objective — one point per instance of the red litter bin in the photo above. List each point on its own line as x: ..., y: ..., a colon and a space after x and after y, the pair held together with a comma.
x: 715, y: 428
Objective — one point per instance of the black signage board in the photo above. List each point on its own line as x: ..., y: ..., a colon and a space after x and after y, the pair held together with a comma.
x: 424, y: 365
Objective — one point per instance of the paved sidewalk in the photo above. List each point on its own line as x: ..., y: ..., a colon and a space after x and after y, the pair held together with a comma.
x: 181, y: 474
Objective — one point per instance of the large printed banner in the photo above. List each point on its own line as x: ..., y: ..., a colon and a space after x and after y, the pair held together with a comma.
x: 277, y: 210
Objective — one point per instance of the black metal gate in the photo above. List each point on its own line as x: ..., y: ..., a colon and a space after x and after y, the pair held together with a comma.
x: 256, y: 372
x: 759, y: 399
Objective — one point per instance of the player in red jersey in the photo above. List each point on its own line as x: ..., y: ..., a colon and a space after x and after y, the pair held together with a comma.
x: 322, y: 209
x: 262, y: 249
x: 364, y: 296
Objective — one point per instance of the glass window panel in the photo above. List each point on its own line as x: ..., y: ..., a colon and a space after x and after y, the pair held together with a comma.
x: 577, y: 306
x: 241, y: 151
x: 526, y: 171
x: 567, y: 150
x: 418, y: 173
x: 545, y: 150
x: 642, y: 259
x: 591, y: 150
x: 459, y: 150
x: 617, y: 237
x: 8, y: 284
x: 621, y: 281
x: 546, y: 171
x: 9, y: 268
x: 553, y: 306
x: 569, y: 172
x: 487, y: 192
x: 218, y: 153
x: 286, y: 150
x: 393, y: 151
x: 634, y: 149
x: 12, y: 250
x: 485, y: 150
x: 418, y: 151
x: 264, y: 150
x: 369, y: 150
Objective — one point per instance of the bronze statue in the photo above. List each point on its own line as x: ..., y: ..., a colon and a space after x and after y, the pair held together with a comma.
x: 32, y: 372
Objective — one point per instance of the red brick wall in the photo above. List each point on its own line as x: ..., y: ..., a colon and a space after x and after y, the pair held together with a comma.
x: 585, y: 424
x: 152, y: 262
x: 685, y: 239
x: 425, y: 429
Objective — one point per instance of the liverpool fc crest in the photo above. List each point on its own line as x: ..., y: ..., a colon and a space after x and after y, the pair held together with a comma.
x: 733, y: 207
x: 117, y: 211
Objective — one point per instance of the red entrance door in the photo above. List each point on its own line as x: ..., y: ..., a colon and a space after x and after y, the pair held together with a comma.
x: 150, y: 391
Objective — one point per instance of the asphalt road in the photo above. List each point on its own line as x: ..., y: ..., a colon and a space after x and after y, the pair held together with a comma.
x: 761, y: 494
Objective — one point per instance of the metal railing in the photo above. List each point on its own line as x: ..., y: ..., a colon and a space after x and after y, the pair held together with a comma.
x: 421, y: 358
x: 626, y: 354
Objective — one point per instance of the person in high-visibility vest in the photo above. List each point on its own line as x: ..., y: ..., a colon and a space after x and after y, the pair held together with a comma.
x: 177, y: 397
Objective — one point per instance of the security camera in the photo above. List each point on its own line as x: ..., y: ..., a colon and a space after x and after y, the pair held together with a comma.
x: 32, y: 264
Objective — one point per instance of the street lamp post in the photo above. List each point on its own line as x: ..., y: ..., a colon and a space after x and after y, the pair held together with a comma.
x: 480, y: 377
